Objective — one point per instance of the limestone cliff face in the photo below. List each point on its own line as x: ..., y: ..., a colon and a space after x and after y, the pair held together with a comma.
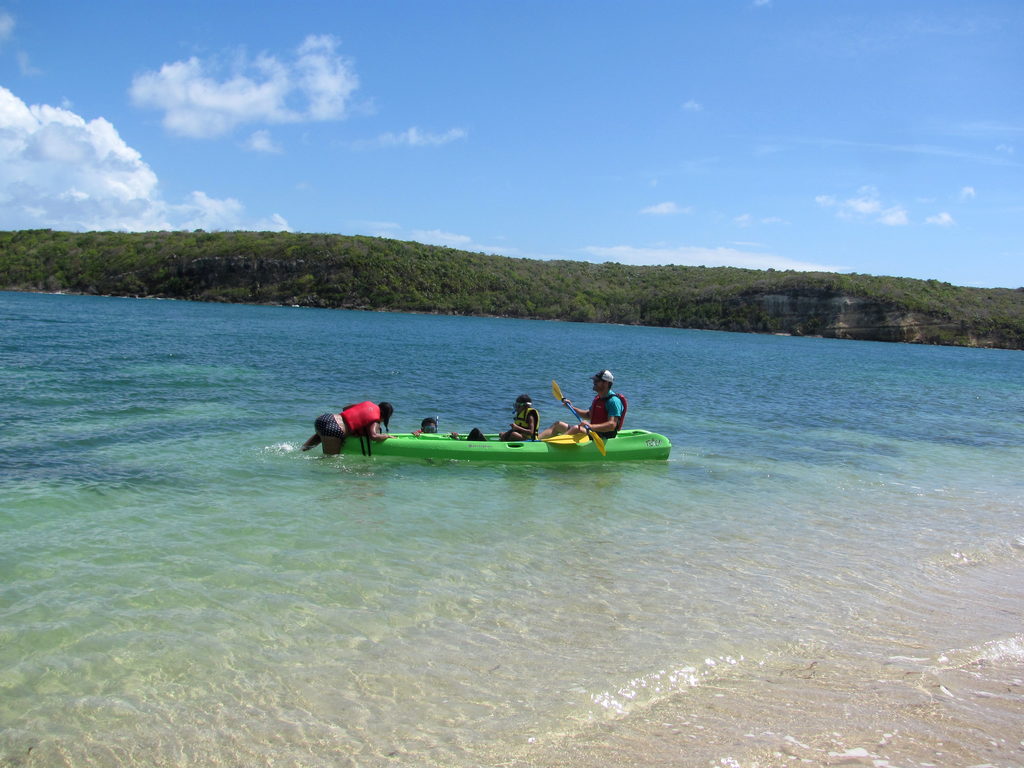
x: 851, y: 317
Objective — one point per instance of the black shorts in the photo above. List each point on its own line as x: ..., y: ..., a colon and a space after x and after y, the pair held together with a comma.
x: 327, y: 426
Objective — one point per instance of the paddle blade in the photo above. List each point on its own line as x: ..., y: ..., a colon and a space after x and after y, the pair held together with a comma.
x: 598, y: 441
x: 577, y: 439
x: 555, y: 390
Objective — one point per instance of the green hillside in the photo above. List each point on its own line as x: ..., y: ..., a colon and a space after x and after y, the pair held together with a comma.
x: 373, y: 273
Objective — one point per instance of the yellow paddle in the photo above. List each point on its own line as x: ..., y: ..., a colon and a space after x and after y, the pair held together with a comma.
x: 598, y: 441
x: 577, y: 439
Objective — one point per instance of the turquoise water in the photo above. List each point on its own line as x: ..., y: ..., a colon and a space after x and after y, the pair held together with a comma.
x: 831, y: 563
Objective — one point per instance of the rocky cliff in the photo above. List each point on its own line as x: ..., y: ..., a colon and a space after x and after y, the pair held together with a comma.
x: 832, y: 315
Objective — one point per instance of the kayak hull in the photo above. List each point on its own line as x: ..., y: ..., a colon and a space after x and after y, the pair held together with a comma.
x: 628, y: 445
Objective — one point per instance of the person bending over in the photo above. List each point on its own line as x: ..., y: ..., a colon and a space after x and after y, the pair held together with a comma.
x: 363, y: 419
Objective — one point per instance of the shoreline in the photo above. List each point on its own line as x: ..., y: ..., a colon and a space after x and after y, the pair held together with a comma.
x: 910, y: 342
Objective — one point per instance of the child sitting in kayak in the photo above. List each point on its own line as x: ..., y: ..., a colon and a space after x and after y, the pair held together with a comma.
x: 526, y: 422
x: 427, y: 426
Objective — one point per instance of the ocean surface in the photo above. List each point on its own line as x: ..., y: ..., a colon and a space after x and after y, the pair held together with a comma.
x: 828, y: 571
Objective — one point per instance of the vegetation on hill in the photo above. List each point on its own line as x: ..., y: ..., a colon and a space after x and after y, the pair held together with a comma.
x: 355, y: 272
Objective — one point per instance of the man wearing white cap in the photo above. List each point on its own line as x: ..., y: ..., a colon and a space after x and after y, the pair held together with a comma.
x: 604, y: 416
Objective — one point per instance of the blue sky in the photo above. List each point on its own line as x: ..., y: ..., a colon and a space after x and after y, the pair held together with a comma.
x: 871, y: 136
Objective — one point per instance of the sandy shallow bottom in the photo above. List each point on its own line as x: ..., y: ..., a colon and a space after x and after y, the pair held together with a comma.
x: 815, y: 716
x: 911, y: 688
x: 917, y: 691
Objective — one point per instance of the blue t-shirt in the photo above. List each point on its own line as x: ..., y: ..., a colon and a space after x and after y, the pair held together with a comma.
x: 613, y: 405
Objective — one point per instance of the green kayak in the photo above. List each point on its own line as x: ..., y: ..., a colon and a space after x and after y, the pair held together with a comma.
x: 629, y: 445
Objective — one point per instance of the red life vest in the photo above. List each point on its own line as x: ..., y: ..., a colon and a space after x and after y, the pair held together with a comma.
x: 359, y: 417
x: 599, y: 412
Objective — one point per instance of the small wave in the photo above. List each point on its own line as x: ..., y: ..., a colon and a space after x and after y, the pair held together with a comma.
x: 990, y: 552
x: 646, y: 689
x: 280, y: 448
x: 1007, y: 650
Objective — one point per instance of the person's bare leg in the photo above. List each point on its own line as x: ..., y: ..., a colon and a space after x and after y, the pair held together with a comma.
x: 558, y: 428
x: 331, y: 445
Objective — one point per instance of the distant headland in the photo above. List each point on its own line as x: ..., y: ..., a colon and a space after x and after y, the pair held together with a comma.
x: 356, y: 272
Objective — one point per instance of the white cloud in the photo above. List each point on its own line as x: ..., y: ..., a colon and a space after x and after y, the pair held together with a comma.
x: 260, y: 141
x: 437, y: 237
x: 414, y: 137
x: 25, y: 66
x: 199, y: 104
x: 693, y: 106
x: 894, y: 217
x: 462, y: 242
x: 867, y: 204
x: 276, y: 223
x: 63, y: 172
x: 941, y: 219
x: 667, y: 208
x: 708, y: 257
x: 204, y: 212
x: 968, y: 193
x: 1005, y: 148
x: 325, y: 78
x: 6, y: 26
x: 376, y: 228
x: 745, y: 220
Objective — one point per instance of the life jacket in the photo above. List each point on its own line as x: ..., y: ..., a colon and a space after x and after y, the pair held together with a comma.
x: 360, y: 416
x: 524, y: 421
x: 599, y: 412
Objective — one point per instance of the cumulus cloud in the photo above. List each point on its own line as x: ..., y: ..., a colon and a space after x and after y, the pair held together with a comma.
x: 968, y: 193
x: 200, y: 101
x: 708, y: 257
x: 693, y: 106
x: 941, y: 219
x: 667, y: 208
x: 866, y: 204
x: 61, y: 171
x: 414, y: 137
x: 325, y: 78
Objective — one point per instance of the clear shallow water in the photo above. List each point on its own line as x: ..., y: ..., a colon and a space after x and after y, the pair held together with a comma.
x: 831, y: 560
